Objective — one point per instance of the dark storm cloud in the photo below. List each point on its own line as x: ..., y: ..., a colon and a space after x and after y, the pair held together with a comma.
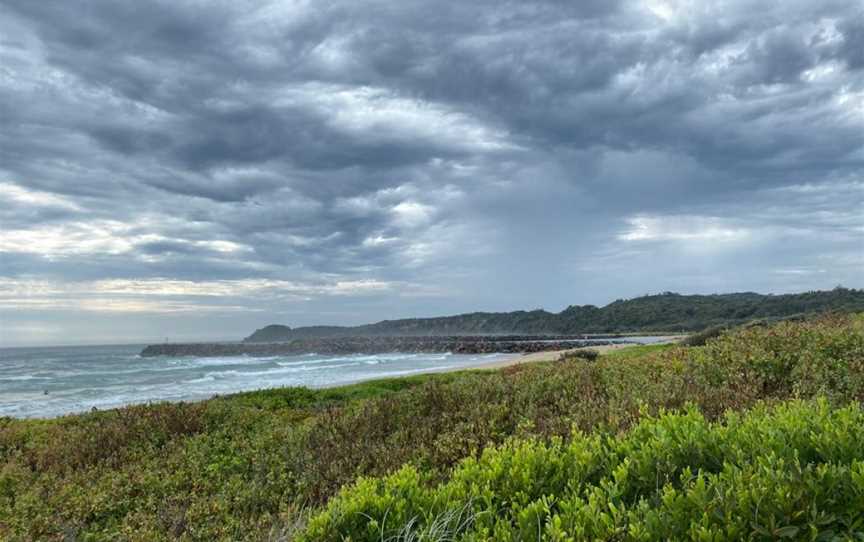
x: 852, y: 50
x: 376, y: 159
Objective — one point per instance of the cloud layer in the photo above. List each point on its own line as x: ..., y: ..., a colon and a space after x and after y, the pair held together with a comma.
x: 197, y: 170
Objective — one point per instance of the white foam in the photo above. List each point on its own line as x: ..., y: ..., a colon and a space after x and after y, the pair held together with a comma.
x: 23, y: 377
x: 108, y: 381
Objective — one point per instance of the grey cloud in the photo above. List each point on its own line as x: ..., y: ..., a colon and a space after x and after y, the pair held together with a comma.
x: 498, y: 154
x: 167, y: 247
x: 852, y: 51
x: 17, y: 215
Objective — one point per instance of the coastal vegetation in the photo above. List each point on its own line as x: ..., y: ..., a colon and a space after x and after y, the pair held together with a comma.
x: 666, y: 312
x: 756, y: 434
x: 794, y: 471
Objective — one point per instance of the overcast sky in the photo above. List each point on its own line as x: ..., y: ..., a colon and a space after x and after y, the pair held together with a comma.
x: 194, y: 170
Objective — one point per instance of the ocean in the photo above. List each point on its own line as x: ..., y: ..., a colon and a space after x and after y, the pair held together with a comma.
x: 51, y: 381
x: 46, y: 382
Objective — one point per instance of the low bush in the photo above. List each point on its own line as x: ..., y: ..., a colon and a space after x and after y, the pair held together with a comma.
x: 576, y: 355
x: 791, y: 471
x: 702, y: 337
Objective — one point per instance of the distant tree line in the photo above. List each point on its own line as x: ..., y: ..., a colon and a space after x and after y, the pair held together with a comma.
x: 665, y: 312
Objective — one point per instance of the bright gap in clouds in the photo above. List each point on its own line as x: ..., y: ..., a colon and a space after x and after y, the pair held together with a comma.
x: 683, y: 228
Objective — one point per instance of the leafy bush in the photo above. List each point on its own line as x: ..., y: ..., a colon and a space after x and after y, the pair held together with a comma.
x: 699, y: 339
x: 575, y: 355
x: 792, y: 471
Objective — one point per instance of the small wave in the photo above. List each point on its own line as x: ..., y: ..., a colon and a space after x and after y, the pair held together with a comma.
x: 218, y: 361
x: 315, y: 361
x: 222, y: 375
x: 24, y: 377
x: 202, y: 380
x: 296, y: 362
x: 302, y: 368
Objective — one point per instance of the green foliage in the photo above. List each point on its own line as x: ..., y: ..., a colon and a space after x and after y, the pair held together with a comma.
x: 702, y: 338
x: 253, y: 466
x: 662, y: 312
x: 638, y: 351
x: 794, y: 471
x: 576, y: 355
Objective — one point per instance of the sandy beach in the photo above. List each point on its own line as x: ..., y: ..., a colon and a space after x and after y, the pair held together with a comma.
x: 553, y: 355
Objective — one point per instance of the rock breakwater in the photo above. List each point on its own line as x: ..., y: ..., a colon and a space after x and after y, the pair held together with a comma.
x: 510, y: 344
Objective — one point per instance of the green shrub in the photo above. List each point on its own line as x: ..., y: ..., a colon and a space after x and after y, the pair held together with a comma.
x: 576, y: 355
x: 702, y: 337
x: 791, y: 471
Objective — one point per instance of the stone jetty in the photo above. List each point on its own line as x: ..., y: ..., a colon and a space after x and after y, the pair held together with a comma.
x: 481, y: 344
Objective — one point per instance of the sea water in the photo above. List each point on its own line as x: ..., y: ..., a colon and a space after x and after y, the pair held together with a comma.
x: 46, y: 382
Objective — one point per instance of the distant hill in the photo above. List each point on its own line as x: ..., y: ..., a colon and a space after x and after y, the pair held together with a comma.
x: 662, y: 312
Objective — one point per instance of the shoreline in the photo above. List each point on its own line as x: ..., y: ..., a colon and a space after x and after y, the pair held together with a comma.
x: 508, y: 360
x: 493, y: 362
x: 505, y: 359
